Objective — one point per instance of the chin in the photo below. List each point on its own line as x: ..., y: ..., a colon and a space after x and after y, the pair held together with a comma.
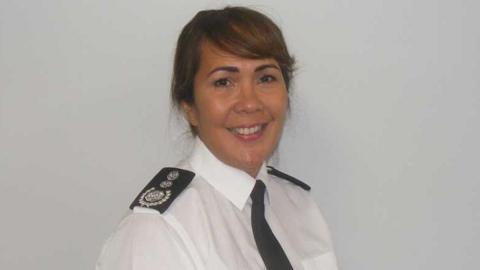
x: 252, y: 161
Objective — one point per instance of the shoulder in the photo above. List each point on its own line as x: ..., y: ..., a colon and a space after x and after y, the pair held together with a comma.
x: 143, y: 241
x: 163, y: 189
x: 275, y: 172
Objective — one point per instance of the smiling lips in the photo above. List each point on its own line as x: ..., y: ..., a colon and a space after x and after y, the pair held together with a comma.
x: 250, y: 133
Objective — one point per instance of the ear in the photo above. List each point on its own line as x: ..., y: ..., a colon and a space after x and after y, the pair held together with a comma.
x: 190, y: 112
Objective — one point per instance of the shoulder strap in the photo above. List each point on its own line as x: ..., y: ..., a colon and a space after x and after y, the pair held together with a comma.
x: 277, y: 173
x: 163, y: 189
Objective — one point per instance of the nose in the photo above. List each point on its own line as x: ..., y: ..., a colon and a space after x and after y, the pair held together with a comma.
x: 248, y: 99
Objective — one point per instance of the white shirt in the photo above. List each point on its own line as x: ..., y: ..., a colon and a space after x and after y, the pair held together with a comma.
x: 208, y: 225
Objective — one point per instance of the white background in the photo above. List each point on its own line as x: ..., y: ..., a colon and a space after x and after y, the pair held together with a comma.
x: 385, y: 124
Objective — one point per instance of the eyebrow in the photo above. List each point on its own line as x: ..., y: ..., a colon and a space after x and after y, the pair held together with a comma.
x: 223, y: 68
x: 262, y: 67
x: 235, y: 69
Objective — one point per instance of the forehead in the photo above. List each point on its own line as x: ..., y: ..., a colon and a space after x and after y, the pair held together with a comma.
x: 211, y: 56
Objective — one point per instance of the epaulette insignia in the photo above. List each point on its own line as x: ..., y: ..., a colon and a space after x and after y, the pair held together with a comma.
x: 163, y: 189
x: 277, y: 173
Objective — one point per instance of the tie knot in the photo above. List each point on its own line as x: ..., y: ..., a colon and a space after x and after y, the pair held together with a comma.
x: 258, y: 192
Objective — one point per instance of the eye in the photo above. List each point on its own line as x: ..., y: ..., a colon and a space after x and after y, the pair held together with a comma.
x: 222, y: 83
x: 267, y: 79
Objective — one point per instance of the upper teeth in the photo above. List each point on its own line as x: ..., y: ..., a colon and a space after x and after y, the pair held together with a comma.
x: 247, y: 131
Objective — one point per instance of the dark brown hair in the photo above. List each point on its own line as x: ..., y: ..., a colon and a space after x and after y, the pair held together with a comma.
x: 237, y: 30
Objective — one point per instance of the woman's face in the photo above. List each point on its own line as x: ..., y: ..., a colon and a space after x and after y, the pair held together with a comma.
x: 240, y: 107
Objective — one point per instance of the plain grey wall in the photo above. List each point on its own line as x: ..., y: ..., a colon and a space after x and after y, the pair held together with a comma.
x: 385, y: 124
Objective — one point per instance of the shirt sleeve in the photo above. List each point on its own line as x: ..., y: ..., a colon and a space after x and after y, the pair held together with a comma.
x: 144, y: 241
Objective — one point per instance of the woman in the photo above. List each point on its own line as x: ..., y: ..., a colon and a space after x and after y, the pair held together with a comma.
x: 223, y: 208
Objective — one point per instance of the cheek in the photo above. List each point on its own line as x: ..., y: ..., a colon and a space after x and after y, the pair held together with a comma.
x: 279, y: 107
x: 212, y: 111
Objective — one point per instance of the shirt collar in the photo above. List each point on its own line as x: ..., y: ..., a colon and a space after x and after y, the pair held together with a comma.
x: 236, y: 185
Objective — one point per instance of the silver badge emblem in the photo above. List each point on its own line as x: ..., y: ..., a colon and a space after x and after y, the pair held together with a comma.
x: 153, y: 197
x: 166, y: 184
x: 173, y: 175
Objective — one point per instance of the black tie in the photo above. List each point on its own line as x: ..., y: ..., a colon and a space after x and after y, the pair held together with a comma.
x: 270, y: 250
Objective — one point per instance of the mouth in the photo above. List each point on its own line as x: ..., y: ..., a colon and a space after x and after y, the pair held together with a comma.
x: 248, y: 133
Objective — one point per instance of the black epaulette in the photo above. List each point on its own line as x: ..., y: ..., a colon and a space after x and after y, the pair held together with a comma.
x: 163, y: 189
x: 277, y: 173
